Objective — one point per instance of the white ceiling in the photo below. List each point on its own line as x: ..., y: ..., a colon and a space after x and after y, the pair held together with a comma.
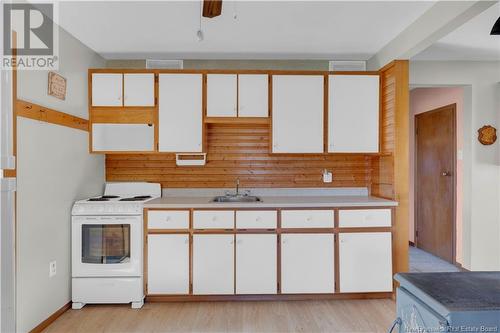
x: 471, y: 41
x: 351, y: 30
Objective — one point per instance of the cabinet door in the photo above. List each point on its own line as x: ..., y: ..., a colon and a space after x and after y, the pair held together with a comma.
x: 213, y: 264
x: 107, y: 89
x: 221, y: 95
x: 297, y: 114
x: 363, y: 255
x: 353, y: 114
x: 256, y: 264
x: 139, y: 89
x: 122, y: 137
x: 168, y: 264
x: 253, y: 95
x: 307, y: 263
x: 180, y: 113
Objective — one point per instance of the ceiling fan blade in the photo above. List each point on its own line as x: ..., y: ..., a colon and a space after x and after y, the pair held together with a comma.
x: 212, y: 8
x: 496, y: 28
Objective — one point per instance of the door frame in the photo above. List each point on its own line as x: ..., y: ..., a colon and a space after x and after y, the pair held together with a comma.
x: 454, y: 175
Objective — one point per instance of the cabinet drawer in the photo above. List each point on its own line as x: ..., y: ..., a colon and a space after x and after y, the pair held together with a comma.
x: 249, y: 219
x: 364, y: 218
x: 168, y: 219
x: 213, y: 219
x: 307, y: 219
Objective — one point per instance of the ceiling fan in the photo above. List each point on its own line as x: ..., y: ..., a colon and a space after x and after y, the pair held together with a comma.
x: 212, y: 8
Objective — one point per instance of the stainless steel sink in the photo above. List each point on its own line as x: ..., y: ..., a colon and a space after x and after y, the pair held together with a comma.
x: 236, y: 198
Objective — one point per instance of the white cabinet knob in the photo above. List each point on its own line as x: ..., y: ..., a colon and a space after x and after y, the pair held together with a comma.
x: 186, y: 241
x: 168, y: 218
x: 308, y: 219
x: 214, y: 218
x: 239, y: 241
x: 231, y: 242
x: 258, y: 219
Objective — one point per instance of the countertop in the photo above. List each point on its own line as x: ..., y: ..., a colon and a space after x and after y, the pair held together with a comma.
x: 272, y: 202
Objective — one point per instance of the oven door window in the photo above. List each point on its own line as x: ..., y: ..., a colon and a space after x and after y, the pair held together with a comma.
x: 105, y: 243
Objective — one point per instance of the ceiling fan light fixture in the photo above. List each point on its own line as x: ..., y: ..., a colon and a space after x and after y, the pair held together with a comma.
x: 496, y: 28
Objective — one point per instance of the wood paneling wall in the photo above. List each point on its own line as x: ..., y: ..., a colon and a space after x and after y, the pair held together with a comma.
x: 241, y: 151
x: 390, y: 172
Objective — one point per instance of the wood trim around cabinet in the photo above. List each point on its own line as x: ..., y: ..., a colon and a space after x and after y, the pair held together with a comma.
x: 41, y: 113
x: 52, y: 318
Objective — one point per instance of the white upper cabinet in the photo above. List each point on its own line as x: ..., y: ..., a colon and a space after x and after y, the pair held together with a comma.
x: 107, y: 89
x: 122, y: 137
x: 297, y: 114
x: 180, y: 113
x: 222, y: 93
x: 253, y: 95
x: 353, y: 114
x: 139, y: 89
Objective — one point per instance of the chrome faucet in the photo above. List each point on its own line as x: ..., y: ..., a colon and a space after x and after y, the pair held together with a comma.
x: 237, y: 186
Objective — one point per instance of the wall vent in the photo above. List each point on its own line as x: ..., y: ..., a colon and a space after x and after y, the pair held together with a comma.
x: 343, y: 66
x: 164, y: 64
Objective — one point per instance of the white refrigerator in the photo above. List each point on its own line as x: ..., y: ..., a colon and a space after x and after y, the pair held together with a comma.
x: 7, y: 202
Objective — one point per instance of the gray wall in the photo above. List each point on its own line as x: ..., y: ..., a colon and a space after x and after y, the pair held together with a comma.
x: 54, y: 169
x: 481, y: 211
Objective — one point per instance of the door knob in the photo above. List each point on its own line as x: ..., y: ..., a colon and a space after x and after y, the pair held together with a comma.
x: 445, y: 174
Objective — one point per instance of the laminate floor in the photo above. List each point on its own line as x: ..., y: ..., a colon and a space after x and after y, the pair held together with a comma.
x: 289, y: 316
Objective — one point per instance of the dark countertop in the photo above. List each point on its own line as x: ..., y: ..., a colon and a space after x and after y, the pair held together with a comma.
x: 456, y: 291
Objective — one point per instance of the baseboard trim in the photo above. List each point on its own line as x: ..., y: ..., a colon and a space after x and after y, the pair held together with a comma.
x: 52, y: 318
x: 276, y: 297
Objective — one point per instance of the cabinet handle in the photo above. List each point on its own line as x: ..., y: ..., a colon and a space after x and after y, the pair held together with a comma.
x: 231, y: 242
x: 258, y: 219
x: 168, y: 218
x: 239, y: 241
x: 214, y: 218
x: 308, y: 219
x: 186, y: 241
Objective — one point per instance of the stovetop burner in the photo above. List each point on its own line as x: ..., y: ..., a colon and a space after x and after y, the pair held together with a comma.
x: 137, y: 198
x: 110, y: 196
x: 98, y: 199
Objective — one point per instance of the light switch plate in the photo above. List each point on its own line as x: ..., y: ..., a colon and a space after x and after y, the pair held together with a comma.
x: 327, y: 177
x: 52, y: 268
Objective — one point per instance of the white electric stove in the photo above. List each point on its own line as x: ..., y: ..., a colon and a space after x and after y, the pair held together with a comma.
x: 107, y: 245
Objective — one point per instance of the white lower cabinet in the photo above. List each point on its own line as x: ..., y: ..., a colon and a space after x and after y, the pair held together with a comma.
x: 307, y: 263
x: 213, y: 264
x: 256, y: 264
x: 365, y: 262
x: 168, y: 264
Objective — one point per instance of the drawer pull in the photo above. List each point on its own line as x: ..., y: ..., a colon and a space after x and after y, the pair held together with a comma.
x: 214, y: 218
x: 258, y: 219
x: 309, y: 219
x: 168, y: 219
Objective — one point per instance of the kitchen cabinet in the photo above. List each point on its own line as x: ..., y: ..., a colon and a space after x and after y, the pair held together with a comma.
x: 168, y: 264
x: 180, y: 113
x: 363, y: 255
x: 297, y: 113
x: 307, y: 263
x: 307, y: 218
x: 253, y: 90
x: 107, y: 89
x: 256, y: 263
x: 213, y: 219
x: 213, y: 264
x: 122, y: 137
x: 117, y: 89
x: 139, y: 89
x: 222, y: 95
x: 353, y: 114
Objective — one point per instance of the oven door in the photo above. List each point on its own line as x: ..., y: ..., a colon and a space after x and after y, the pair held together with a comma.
x: 106, y: 246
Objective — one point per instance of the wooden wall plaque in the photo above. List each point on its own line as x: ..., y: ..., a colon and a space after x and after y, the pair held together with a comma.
x: 57, y: 86
x: 487, y: 135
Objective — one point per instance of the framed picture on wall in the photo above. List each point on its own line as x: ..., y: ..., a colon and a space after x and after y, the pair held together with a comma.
x: 57, y: 86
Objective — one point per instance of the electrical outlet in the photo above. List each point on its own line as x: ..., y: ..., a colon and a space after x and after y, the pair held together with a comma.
x: 52, y: 268
x: 327, y: 176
